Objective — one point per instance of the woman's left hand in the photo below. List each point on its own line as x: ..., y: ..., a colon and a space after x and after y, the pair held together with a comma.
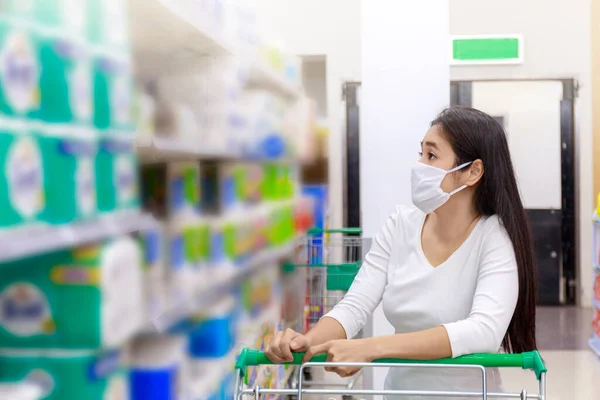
x: 343, y: 351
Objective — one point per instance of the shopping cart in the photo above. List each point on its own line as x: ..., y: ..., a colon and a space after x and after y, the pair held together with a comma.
x: 478, y: 362
x: 331, y: 259
x: 328, y: 261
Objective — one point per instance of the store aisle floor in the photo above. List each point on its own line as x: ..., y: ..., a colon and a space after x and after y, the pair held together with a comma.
x: 572, y: 375
x: 573, y: 369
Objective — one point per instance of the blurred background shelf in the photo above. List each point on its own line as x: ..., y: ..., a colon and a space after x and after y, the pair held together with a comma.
x: 157, y: 149
x: 152, y: 150
x: 220, y: 284
x: 39, y: 240
x: 263, y: 77
x: 172, y: 34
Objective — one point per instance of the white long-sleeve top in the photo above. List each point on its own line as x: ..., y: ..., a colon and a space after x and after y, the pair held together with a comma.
x: 472, y: 294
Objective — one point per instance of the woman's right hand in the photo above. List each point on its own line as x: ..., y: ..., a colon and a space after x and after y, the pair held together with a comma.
x: 283, y: 343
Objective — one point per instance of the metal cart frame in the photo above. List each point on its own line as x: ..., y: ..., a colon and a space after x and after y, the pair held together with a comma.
x: 528, y: 361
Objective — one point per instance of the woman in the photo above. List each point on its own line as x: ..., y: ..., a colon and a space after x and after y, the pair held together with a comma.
x: 455, y: 273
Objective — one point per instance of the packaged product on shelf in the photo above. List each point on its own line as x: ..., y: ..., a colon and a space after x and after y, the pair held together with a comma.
x: 22, y: 189
x: 159, y: 368
x: 239, y: 236
x: 155, y: 273
x: 260, y: 228
x: 213, y: 337
x: 73, y: 298
x: 20, y: 70
x: 219, y: 188
x: 304, y: 214
x: 184, y: 190
x: 117, y: 176
x: 253, y: 178
x: 281, y: 225
x: 596, y: 322
x: 66, y: 82
x: 181, y: 283
x: 265, y: 114
x: 597, y: 287
x: 66, y: 375
x: 153, y: 243
x: 113, y: 94
x: 69, y: 176
x: 217, y: 242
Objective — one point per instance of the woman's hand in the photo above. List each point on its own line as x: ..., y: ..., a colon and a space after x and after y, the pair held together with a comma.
x: 353, y: 350
x: 280, y: 349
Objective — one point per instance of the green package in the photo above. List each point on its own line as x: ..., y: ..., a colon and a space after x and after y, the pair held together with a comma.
x: 67, y: 375
x: 73, y: 299
x: 117, y: 176
x: 113, y: 94
x: 20, y: 70
x: 22, y: 189
x: 65, y: 83
x: 69, y: 177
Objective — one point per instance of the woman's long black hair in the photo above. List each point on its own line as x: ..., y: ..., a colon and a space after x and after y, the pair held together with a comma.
x: 474, y: 135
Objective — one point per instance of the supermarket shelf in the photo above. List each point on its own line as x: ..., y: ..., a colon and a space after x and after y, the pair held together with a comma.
x: 39, y: 240
x: 155, y: 150
x: 263, y: 259
x: 594, y: 343
x: 168, y: 35
x: 263, y: 77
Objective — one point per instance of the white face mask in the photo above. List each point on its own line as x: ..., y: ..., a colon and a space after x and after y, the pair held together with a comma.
x: 427, y: 194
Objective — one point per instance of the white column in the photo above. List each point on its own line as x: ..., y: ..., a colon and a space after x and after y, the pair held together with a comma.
x: 405, y: 83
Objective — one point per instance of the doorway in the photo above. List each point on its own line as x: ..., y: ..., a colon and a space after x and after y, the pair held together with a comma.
x: 538, y: 117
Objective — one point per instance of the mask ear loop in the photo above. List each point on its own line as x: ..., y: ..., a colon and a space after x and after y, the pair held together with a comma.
x: 457, y: 190
x: 458, y: 169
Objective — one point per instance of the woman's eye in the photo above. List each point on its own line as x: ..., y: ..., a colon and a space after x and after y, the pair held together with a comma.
x: 430, y: 156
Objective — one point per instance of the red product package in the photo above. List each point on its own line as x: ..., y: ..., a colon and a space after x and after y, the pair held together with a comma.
x: 596, y: 322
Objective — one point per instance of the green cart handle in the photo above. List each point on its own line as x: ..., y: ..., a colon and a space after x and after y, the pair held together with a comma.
x: 529, y: 360
x: 349, y: 231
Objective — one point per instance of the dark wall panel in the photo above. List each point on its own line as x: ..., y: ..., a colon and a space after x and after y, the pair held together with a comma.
x: 546, y: 229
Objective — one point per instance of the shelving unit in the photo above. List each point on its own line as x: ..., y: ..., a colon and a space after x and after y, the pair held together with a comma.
x: 183, y: 109
x: 594, y: 342
x: 32, y: 242
x: 215, y: 288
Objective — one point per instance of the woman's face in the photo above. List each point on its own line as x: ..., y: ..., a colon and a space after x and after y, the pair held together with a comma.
x: 437, y: 152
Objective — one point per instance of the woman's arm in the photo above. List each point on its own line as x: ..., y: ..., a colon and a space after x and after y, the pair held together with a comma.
x: 350, y: 315
x: 365, y: 294
x: 429, y: 344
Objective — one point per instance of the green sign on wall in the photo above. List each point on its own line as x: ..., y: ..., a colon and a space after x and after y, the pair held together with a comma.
x: 496, y: 49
